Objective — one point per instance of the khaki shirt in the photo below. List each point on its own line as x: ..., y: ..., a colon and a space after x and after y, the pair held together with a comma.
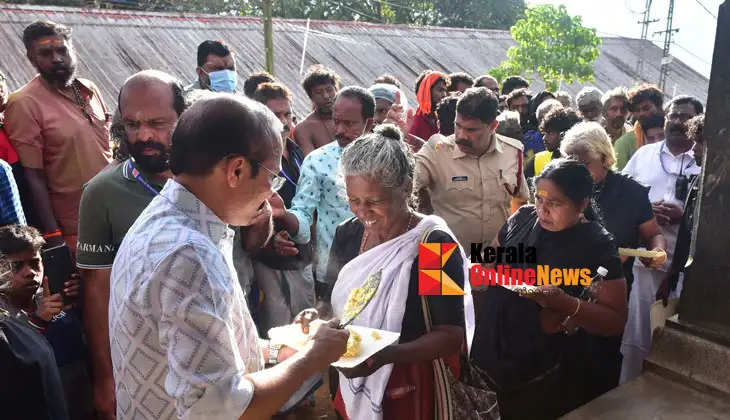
x: 470, y: 192
x: 50, y: 132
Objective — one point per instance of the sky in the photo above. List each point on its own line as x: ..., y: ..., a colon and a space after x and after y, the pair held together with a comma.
x: 693, y: 44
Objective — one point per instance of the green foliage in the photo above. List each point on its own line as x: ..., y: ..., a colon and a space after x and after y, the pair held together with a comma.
x: 489, y: 14
x: 553, y: 45
x: 483, y: 14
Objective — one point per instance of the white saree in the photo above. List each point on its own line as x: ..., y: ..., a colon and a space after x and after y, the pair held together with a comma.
x: 363, y: 397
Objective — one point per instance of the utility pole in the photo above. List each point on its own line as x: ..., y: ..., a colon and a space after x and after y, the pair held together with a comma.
x: 268, y: 37
x: 666, y: 58
x: 645, y: 21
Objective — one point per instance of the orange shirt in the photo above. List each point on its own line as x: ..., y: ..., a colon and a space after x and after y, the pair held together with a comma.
x: 49, y: 131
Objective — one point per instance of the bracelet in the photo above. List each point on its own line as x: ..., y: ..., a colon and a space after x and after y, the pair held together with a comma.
x: 576, y: 309
x: 564, y: 324
x: 53, y: 234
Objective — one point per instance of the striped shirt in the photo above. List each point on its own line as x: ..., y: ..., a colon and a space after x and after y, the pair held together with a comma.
x: 11, y: 212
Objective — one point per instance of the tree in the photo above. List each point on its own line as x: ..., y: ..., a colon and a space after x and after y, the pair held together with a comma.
x: 482, y: 14
x: 553, y: 45
x: 485, y: 14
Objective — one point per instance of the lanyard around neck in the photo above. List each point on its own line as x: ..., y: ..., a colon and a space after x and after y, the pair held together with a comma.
x: 299, y: 168
x: 681, y: 164
x: 140, y: 179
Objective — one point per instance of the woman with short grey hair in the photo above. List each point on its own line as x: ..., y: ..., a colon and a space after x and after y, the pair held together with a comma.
x: 626, y: 213
x: 383, y: 237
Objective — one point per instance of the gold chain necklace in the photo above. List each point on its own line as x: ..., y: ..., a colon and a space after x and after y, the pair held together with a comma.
x: 366, y: 234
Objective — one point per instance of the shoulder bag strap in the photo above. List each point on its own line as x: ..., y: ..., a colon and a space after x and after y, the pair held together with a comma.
x: 442, y: 388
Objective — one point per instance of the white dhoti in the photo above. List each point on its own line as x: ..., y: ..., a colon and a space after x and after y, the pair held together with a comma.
x: 636, y: 340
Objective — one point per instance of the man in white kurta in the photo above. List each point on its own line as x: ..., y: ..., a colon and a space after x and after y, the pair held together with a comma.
x: 657, y: 166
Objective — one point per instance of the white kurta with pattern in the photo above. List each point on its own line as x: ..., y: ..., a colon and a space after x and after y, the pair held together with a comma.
x: 181, y: 335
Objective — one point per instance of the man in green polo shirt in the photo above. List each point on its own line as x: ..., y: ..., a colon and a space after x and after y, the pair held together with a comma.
x: 150, y: 103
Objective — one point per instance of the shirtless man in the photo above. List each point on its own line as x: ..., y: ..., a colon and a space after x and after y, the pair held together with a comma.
x: 318, y: 128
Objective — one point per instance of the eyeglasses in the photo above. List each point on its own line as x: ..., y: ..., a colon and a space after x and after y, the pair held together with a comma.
x: 276, y: 181
x: 33, y: 263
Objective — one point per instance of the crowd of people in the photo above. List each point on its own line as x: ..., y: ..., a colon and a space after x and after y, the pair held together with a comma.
x: 189, y: 220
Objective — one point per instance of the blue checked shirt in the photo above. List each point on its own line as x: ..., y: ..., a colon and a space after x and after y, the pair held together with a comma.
x: 318, y: 190
x: 11, y: 212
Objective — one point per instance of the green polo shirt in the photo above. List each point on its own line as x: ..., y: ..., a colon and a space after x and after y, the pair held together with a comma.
x: 624, y: 148
x: 110, y: 203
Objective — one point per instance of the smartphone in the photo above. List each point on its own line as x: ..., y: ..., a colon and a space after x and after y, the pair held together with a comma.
x: 58, y: 267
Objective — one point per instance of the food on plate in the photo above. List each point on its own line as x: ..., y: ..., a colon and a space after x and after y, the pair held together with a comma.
x: 375, y: 335
x: 524, y: 289
x: 644, y: 253
x: 358, y: 297
x: 354, y: 344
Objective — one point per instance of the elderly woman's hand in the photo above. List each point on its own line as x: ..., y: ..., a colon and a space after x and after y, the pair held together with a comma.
x: 369, y: 366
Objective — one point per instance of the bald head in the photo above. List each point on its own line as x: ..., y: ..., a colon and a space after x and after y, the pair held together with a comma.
x: 220, y: 125
x: 158, y: 81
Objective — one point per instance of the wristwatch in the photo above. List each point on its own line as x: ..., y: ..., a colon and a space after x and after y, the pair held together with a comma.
x: 274, y: 353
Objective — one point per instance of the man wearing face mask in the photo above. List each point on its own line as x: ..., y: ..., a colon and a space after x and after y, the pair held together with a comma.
x: 473, y: 175
x: 216, y: 68
x: 59, y: 126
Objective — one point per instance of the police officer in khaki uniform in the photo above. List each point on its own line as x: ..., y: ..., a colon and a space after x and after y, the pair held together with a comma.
x: 473, y: 177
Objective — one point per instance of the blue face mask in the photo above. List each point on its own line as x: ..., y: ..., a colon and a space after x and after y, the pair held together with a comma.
x: 223, y: 81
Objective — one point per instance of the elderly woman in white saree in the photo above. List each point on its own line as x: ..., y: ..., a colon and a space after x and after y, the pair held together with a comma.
x: 398, y: 381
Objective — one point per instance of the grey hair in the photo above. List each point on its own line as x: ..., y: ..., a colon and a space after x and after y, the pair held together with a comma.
x: 588, y: 95
x: 618, y: 92
x: 545, y: 107
x: 509, y: 124
x: 589, y: 139
x: 564, y: 98
x: 382, y: 156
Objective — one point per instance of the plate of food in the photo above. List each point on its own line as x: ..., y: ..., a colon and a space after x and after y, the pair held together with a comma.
x: 642, y: 253
x: 523, y: 289
x: 363, y: 343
